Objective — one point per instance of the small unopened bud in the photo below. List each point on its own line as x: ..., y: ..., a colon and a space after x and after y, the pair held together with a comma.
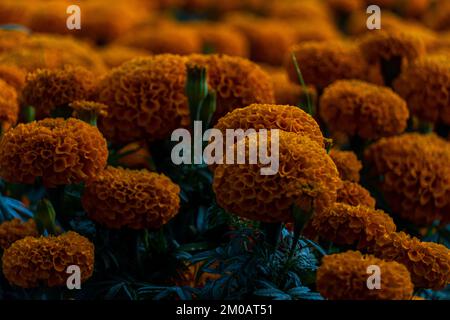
x: 196, y: 89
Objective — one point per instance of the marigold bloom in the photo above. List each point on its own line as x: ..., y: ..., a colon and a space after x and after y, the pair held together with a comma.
x: 306, y: 177
x: 439, y: 17
x: 347, y: 164
x: 165, y: 38
x: 146, y: 99
x: 222, y: 39
x: 16, y: 229
x: 115, y: 55
x: 358, y: 108
x: 81, y: 107
x: 269, y: 40
x: 425, y: 85
x: 322, y: 63
x: 9, y: 39
x: 415, y: 175
x: 268, y: 116
x: 353, y: 194
x: 343, y: 276
x: 13, y: 76
x: 345, y: 224
x: 345, y: 6
x: 137, y: 199
x: 47, y: 89
x: 9, y: 108
x: 237, y: 81
x: 428, y: 262
x: 31, y: 261
x: 309, y: 10
x: 60, y: 151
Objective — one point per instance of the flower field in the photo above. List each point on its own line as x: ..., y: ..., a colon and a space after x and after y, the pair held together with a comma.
x: 225, y: 150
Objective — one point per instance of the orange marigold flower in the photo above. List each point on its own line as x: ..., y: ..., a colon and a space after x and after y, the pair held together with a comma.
x: 9, y: 108
x: 237, y: 82
x: 304, y: 31
x: 309, y: 10
x: 428, y: 262
x: 137, y: 199
x: 165, y: 38
x: 47, y: 89
x: 262, y: 34
x: 81, y: 107
x: 146, y: 99
x: 415, y: 175
x: 52, y: 51
x: 59, y: 151
x: 220, y: 38
x: 306, y: 177
x: 358, y: 108
x: 425, y: 85
x: 353, y: 194
x: 345, y: 6
x: 9, y: 39
x: 270, y: 116
x: 115, y: 55
x: 438, y: 18
x: 31, y: 261
x: 322, y: 63
x: 16, y: 229
x: 345, y: 224
x: 343, y: 276
x: 347, y: 164
x: 13, y: 76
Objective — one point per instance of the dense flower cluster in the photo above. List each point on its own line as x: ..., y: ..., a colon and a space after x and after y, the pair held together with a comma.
x: 343, y: 276
x: 237, y: 81
x: 415, y: 174
x: 306, y: 177
x: 268, y: 116
x: 220, y: 38
x: 13, y: 76
x: 47, y: 89
x: 59, y: 151
x: 115, y: 55
x: 9, y: 108
x: 358, y: 108
x: 353, y: 194
x: 428, y: 262
x: 31, y: 261
x: 16, y: 229
x: 137, y: 199
x: 262, y: 34
x: 344, y: 224
x: 425, y: 85
x: 322, y: 63
x: 347, y: 164
x: 146, y: 99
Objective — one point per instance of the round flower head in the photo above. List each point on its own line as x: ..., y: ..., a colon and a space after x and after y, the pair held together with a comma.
x: 353, y: 194
x: 269, y: 116
x: 269, y: 40
x: 439, y: 17
x: 220, y: 38
x: 146, y: 99
x: 428, y: 262
x: 309, y: 10
x: 425, y: 85
x: 306, y: 176
x: 115, y: 55
x: 166, y: 38
x: 46, y: 89
x: 415, y: 175
x: 347, y: 164
x: 59, y: 151
x: 137, y: 199
x: 343, y: 276
x: 83, y: 107
x: 9, y: 108
x: 31, y: 262
x: 236, y: 81
x: 344, y: 224
x: 13, y: 76
x: 361, y: 109
x: 304, y: 31
x: 391, y: 50
x: 52, y: 51
x: 16, y: 229
x: 322, y: 63
x: 9, y: 39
